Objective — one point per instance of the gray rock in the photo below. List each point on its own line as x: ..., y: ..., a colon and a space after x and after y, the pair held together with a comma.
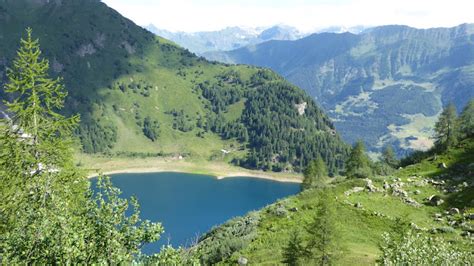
x: 446, y: 229
x: 242, y: 261
x: 353, y: 190
x: 411, y: 202
x: 369, y: 186
x: 438, y: 215
x: 453, y: 211
x: 442, y: 166
x: 386, y: 185
x: 358, y: 205
x: 417, y: 192
x: 280, y: 211
x: 294, y: 209
x: 399, y: 192
x: 435, y: 200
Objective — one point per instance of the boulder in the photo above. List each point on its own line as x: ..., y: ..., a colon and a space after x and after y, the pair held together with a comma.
x: 435, y: 200
x: 353, y: 190
x: 386, y: 185
x: 416, y: 192
x: 369, y: 186
x: 437, y: 215
x: 453, y: 211
x: 294, y: 209
x: 280, y: 211
x: 242, y: 261
x: 411, y: 202
x: 442, y: 166
x: 399, y: 192
x: 358, y: 205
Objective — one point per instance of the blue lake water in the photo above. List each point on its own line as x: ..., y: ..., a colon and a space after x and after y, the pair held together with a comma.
x: 188, y: 205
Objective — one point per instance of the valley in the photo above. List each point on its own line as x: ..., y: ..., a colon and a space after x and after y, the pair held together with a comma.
x: 376, y: 80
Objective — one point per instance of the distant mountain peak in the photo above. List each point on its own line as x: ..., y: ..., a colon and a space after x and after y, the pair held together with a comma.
x: 228, y: 38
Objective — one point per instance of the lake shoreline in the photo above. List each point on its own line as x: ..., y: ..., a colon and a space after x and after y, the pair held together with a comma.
x: 239, y: 173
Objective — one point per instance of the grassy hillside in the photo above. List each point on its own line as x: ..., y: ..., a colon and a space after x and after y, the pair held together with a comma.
x: 379, y: 84
x: 360, y: 217
x: 141, y: 94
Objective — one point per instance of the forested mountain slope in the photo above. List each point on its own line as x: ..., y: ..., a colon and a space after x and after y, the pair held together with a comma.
x: 385, y: 85
x: 138, y: 93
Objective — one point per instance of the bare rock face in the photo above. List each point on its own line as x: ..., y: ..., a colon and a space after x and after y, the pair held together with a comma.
x: 56, y: 66
x: 128, y: 47
x: 100, y: 40
x: 86, y: 49
x: 301, y: 108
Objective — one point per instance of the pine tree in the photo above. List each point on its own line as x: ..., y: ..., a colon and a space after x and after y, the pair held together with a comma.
x: 466, y: 120
x: 322, y: 244
x: 388, y: 157
x: 446, y: 129
x: 49, y: 214
x: 315, y: 173
x: 294, y: 251
x: 358, y: 164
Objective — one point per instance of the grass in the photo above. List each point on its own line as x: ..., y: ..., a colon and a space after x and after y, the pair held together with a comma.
x: 360, y: 229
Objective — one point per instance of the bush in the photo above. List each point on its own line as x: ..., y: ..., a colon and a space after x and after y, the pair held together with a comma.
x: 414, y: 248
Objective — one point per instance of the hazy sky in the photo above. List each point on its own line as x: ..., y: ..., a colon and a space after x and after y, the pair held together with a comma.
x: 306, y: 15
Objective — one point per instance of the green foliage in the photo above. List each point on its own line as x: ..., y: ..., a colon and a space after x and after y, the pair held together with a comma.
x: 358, y: 163
x: 112, y: 235
x: 389, y: 157
x: 466, y: 120
x: 417, y: 248
x: 49, y: 214
x: 151, y: 128
x: 322, y: 243
x: 446, y: 129
x: 315, y: 173
x: 294, y: 252
x: 182, y: 121
x: 97, y: 136
x: 171, y: 256
x: 221, y: 242
x: 280, y: 136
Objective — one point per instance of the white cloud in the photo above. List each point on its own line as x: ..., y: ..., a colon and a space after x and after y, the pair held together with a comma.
x: 187, y: 15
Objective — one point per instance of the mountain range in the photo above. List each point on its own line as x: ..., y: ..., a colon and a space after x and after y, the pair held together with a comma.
x: 227, y: 39
x: 141, y: 94
x: 385, y: 85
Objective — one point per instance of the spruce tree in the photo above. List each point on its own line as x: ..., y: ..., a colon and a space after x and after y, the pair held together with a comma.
x: 466, y: 120
x: 446, y: 129
x: 358, y: 163
x: 294, y: 251
x: 315, y: 173
x: 322, y: 244
x: 388, y: 157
